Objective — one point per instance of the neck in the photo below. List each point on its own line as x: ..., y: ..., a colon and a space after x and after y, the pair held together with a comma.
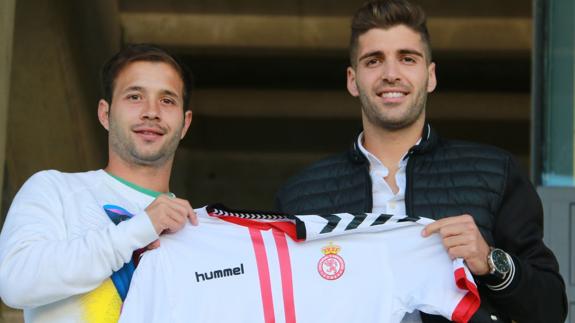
x: 156, y: 178
x: 389, y: 146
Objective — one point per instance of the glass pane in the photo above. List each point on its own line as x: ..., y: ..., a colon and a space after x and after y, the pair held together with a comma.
x: 559, y: 132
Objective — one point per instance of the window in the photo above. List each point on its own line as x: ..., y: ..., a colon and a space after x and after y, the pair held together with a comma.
x: 554, y: 93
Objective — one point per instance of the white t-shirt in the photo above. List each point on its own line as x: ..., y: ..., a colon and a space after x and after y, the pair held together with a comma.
x: 248, y: 267
x: 59, y: 248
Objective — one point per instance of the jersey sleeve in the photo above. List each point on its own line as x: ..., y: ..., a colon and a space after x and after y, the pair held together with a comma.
x: 469, y: 304
x: 428, y: 280
x: 40, y: 264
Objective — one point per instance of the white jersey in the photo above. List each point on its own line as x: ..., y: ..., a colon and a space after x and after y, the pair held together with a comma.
x: 250, y: 267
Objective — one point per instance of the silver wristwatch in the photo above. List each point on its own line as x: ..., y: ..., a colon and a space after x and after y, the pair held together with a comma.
x: 499, y: 263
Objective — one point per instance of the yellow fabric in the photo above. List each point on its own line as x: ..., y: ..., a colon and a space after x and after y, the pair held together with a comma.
x: 103, y: 304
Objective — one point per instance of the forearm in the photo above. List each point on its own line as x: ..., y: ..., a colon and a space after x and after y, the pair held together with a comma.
x: 535, y: 295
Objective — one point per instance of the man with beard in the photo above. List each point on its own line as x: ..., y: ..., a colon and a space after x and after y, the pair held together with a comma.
x: 67, y: 246
x: 487, y: 212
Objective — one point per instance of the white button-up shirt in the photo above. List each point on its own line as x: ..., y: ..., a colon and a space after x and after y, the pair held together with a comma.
x: 384, y: 199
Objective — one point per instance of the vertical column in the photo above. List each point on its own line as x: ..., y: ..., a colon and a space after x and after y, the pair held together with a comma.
x: 6, y: 32
x: 559, y: 235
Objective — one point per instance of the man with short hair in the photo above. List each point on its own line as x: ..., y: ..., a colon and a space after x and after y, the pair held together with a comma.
x: 67, y: 244
x: 487, y: 212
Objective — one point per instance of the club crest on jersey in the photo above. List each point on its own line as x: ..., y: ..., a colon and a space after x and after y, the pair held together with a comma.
x: 331, y: 266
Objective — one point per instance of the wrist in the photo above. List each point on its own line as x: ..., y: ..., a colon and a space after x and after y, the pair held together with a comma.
x: 499, y: 263
x: 502, y: 270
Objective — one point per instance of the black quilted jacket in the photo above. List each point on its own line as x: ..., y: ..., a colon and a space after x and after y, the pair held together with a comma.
x: 446, y: 178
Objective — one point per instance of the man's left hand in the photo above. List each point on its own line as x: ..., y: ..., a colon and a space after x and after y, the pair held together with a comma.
x: 462, y: 239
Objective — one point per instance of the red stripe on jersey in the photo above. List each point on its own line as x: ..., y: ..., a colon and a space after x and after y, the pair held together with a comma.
x: 287, y: 227
x: 264, y: 275
x: 286, y: 274
x: 470, y: 302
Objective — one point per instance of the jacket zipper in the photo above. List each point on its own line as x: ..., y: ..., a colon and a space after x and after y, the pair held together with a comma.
x: 409, y: 185
x: 368, y: 190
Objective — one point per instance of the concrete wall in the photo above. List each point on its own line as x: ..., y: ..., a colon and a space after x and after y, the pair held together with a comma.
x: 58, y: 48
x: 6, y: 31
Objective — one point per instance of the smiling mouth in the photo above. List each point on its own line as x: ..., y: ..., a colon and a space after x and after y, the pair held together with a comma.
x: 149, y: 133
x: 392, y: 95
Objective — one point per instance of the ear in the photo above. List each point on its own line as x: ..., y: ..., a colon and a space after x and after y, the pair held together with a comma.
x: 351, y: 85
x: 431, y: 78
x: 104, y: 113
x: 187, y: 123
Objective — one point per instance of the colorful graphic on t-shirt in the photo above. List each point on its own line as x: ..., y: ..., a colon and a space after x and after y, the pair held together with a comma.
x: 117, y: 214
x: 123, y: 276
x: 104, y: 304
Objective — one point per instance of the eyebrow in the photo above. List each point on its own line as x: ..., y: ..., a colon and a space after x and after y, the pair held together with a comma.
x: 133, y: 88
x: 401, y: 51
x: 371, y: 54
x: 172, y: 93
x: 141, y: 89
x: 411, y: 52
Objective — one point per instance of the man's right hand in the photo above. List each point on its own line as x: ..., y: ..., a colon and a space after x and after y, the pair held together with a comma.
x: 169, y: 214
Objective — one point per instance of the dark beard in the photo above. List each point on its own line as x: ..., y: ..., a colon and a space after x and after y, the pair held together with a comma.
x: 375, y: 117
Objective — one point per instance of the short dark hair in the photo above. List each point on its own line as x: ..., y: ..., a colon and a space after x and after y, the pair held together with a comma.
x: 146, y: 53
x: 385, y: 14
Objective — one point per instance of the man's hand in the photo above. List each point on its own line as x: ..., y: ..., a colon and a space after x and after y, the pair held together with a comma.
x: 169, y: 214
x: 154, y: 245
x: 462, y: 239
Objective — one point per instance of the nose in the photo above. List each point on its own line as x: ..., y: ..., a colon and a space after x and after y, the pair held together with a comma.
x: 151, y: 110
x: 390, y: 72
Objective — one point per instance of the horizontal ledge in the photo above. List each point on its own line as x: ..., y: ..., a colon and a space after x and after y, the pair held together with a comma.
x: 339, y: 104
x: 276, y: 134
x: 313, y: 32
x: 434, y: 8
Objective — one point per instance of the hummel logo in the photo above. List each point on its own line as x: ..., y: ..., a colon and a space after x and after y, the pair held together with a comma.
x: 220, y: 273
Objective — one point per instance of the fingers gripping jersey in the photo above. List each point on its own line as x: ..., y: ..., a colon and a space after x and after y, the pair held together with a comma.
x: 252, y: 267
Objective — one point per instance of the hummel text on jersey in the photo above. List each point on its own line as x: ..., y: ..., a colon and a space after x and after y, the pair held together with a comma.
x: 220, y: 273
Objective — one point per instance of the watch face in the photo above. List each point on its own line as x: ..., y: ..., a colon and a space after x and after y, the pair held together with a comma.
x: 500, y: 261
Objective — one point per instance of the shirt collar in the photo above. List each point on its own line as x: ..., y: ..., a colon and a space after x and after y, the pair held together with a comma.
x: 373, y: 160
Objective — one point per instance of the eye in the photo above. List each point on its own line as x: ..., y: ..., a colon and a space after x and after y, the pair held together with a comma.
x: 134, y: 97
x: 373, y: 61
x: 409, y: 60
x: 168, y: 101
